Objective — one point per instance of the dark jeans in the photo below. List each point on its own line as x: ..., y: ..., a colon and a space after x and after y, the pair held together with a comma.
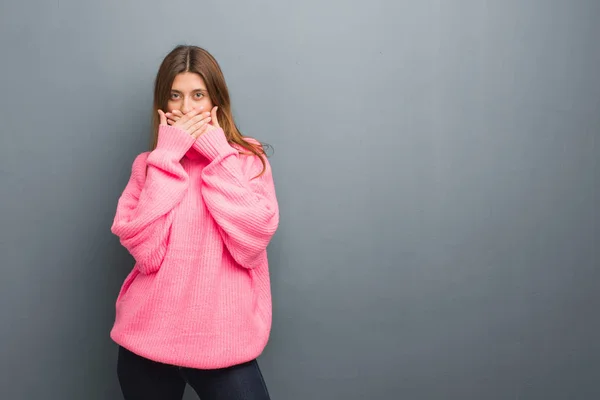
x: 143, y: 379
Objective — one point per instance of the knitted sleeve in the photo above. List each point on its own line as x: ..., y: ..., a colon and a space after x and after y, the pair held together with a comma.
x: 157, y: 184
x: 245, y: 209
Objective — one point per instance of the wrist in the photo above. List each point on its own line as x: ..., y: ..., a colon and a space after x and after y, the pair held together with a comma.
x: 213, y: 143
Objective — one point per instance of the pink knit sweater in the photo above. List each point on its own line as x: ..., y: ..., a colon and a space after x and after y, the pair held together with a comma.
x: 198, y: 226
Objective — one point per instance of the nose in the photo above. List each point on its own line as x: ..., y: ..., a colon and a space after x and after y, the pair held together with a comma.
x: 186, y: 106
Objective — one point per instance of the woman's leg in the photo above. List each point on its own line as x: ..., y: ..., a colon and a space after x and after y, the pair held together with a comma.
x: 240, y: 382
x: 143, y: 379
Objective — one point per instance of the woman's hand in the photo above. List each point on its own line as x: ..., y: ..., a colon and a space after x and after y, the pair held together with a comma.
x: 174, y: 118
x: 194, y: 123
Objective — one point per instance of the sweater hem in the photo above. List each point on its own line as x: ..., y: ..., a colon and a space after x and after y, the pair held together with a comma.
x: 164, y: 357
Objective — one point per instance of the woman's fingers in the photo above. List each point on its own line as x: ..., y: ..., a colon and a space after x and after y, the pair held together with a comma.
x: 163, y: 118
x: 215, y: 120
x: 200, y: 131
x: 194, y: 122
x: 199, y: 127
x: 196, y: 119
x: 188, y: 116
x: 175, y: 115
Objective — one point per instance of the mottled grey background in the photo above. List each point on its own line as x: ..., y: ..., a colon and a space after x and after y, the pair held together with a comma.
x: 436, y: 164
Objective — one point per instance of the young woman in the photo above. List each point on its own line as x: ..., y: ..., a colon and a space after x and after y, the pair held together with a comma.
x: 197, y: 215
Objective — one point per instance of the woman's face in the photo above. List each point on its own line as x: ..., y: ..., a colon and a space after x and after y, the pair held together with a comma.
x: 189, y: 92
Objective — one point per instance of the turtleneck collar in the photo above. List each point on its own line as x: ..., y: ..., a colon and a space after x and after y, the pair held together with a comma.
x: 192, y: 154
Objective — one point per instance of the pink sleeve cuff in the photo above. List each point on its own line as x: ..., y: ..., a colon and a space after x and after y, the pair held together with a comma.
x: 174, y: 140
x: 213, y: 143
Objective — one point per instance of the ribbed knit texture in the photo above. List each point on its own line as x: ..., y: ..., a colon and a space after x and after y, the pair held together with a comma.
x: 198, y: 226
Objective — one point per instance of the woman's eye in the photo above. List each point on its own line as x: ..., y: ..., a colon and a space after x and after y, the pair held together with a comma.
x: 174, y: 95
x: 199, y: 95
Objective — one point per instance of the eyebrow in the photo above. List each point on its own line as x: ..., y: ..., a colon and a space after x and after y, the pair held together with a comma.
x: 195, y: 90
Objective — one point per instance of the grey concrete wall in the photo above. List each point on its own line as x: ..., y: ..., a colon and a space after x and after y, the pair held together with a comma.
x: 436, y: 164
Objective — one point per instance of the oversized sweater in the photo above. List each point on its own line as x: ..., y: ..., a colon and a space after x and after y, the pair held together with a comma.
x: 198, y: 226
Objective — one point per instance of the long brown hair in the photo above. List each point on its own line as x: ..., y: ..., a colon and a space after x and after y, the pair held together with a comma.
x: 198, y: 60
